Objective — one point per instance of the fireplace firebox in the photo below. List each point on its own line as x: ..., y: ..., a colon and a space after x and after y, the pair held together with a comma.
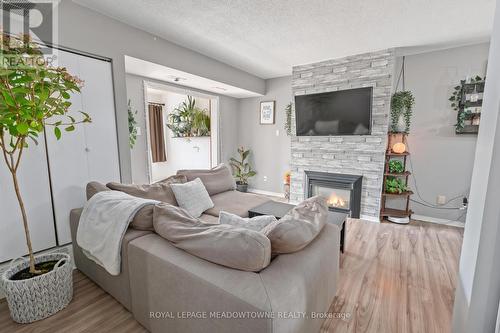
x: 343, y: 191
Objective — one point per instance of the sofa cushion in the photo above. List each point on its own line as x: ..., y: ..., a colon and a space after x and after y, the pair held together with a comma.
x: 95, y: 187
x: 216, y: 180
x: 256, y: 223
x: 235, y: 202
x: 225, y: 245
x: 161, y: 191
x: 193, y: 197
x: 299, y: 227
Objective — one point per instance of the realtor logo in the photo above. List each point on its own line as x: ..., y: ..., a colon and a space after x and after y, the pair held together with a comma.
x: 34, y: 18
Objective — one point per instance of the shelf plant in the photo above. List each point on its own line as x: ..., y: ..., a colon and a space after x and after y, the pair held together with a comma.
x: 395, y: 185
x: 242, y: 169
x: 132, y: 125
x: 396, y: 166
x: 188, y: 120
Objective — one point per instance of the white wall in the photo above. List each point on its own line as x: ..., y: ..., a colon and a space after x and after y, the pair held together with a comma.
x: 478, y: 289
x: 442, y: 161
x: 270, y: 152
x: 86, y: 30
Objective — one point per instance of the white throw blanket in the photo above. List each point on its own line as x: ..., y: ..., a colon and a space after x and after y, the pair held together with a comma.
x: 104, y: 221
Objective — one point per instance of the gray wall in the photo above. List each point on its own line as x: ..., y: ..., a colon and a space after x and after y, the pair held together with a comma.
x: 270, y: 153
x: 85, y: 30
x: 356, y: 155
x: 228, y: 132
x: 478, y: 287
x: 442, y: 161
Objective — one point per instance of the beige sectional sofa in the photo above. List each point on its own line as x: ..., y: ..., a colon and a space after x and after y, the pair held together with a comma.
x: 170, y: 290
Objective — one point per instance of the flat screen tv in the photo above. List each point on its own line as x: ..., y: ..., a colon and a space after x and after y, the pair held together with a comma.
x: 345, y: 112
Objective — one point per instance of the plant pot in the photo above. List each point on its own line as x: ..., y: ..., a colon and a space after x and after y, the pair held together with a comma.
x: 242, y: 187
x: 41, y: 296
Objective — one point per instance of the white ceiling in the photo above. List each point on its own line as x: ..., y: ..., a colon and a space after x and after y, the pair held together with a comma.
x: 268, y: 37
x: 159, y: 72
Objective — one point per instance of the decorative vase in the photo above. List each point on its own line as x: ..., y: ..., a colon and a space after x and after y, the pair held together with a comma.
x: 242, y: 187
x: 41, y: 296
x: 401, y: 125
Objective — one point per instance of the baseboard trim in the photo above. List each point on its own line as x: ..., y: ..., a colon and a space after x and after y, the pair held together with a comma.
x: 453, y: 223
x: 274, y: 194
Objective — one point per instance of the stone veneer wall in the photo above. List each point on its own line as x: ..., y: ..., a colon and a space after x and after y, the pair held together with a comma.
x: 357, y: 155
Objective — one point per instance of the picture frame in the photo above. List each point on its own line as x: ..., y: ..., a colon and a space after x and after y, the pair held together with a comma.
x: 267, y: 112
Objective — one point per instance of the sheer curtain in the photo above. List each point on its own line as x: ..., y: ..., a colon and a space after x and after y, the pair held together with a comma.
x: 156, y: 133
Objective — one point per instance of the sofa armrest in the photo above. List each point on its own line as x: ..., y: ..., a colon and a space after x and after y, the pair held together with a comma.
x: 167, y: 280
x: 304, y: 282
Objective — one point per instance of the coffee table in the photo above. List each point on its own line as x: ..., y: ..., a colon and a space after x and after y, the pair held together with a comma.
x: 280, y: 209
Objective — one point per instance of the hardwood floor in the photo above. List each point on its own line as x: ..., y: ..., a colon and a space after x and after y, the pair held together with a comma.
x: 397, y: 278
x: 393, y: 278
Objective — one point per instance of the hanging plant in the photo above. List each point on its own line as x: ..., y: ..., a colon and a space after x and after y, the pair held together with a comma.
x: 132, y: 125
x: 402, y: 103
x: 188, y: 120
x: 288, y: 119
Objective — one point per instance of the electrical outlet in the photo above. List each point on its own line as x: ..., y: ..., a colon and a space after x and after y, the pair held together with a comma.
x: 441, y: 199
x: 138, y: 131
x: 265, y: 178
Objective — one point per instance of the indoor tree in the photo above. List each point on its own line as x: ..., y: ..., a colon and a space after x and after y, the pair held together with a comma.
x: 34, y: 96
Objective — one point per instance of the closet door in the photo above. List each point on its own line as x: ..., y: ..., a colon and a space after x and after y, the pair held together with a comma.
x: 34, y: 185
x: 91, y: 151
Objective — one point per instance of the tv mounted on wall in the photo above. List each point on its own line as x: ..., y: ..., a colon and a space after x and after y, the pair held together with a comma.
x: 345, y: 112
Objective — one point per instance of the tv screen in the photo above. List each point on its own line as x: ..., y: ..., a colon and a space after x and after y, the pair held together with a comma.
x: 345, y: 112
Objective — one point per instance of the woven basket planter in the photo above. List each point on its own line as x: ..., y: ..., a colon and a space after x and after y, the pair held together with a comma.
x: 42, y: 296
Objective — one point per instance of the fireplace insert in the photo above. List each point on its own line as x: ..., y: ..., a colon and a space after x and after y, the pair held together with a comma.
x: 343, y: 191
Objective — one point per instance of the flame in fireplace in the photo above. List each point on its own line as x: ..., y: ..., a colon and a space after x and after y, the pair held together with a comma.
x: 335, y: 201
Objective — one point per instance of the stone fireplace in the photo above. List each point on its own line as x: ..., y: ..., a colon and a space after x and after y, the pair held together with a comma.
x: 343, y: 191
x: 361, y: 155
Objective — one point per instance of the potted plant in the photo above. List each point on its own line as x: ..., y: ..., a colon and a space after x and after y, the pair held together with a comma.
x: 188, y: 120
x: 33, y: 97
x: 242, y: 170
x: 402, y: 103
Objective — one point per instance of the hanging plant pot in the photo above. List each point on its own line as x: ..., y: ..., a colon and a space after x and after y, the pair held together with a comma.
x: 41, y: 296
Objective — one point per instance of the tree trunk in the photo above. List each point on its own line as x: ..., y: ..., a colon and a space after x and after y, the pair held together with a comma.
x: 25, y: 222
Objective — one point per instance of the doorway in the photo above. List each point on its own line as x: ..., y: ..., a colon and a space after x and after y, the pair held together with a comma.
x: 182, y: 130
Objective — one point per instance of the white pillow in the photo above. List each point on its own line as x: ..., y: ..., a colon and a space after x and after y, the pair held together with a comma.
x: 193, y: 197
x: 256, y: 223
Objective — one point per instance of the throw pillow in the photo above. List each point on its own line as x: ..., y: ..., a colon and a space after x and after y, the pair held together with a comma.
x: 225, y: 245
x: 161, y: 191
x: 216, y: 180
x: 299, y: 227
x: 193, y: 197
x: 256, y: 223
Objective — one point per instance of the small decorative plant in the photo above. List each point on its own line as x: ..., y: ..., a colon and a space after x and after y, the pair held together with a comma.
x: 456, y: 98
x: 132, y: 123
x: 188, y: 120
x: 402, y: 103
x: 395, y: 185
x: 241, y: 168
x: 396, y: 166
x: 33, y: 97
x: 288, y: 119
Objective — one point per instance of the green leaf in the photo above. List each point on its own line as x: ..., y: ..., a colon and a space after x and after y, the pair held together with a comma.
x: 22, y: 128
x: 57, y: 132
x: 70, y: 128
x: 65, y: 95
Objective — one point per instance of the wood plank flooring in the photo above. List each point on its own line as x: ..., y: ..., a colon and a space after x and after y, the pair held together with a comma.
x: 393, y: 278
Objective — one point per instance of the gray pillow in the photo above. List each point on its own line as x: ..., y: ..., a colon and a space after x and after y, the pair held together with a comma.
x: 299, y: 227
x: 225, y: 245
x: 216, y: 180
x: 193, y: 197
x: 256, y: 223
